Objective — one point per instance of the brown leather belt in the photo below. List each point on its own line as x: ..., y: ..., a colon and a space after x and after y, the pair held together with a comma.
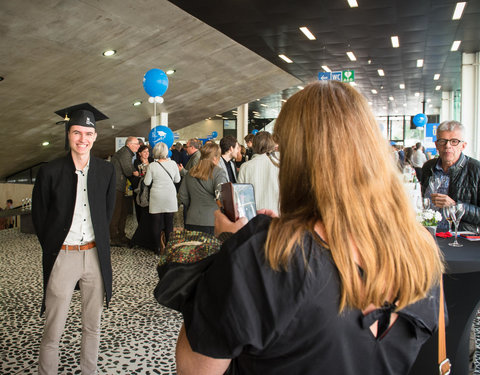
x: 79, y: 247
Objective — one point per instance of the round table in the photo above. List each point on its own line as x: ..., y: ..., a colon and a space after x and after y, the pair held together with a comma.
x: 462, y: 295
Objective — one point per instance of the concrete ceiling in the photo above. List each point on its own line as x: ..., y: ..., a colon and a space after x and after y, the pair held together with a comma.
x: 51, y: 58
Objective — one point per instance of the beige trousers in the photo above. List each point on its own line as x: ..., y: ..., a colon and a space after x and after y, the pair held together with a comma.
x: 72, y: 266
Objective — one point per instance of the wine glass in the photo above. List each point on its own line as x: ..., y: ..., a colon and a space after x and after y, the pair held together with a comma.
x: 426, y: 203
x: 457, y: 212
x: 447, y: 214
x: 434, y: 183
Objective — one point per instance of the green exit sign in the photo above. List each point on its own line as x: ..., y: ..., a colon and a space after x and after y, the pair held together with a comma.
x: 348, y: 76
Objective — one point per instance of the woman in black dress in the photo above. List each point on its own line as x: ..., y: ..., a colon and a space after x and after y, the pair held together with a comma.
x: 344, y: 281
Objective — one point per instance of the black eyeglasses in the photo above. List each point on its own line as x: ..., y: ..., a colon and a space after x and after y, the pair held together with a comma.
x: 453, y: 141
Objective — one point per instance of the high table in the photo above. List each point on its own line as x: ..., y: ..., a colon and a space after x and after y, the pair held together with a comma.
x: 462, y: 295
x: 26, y: 224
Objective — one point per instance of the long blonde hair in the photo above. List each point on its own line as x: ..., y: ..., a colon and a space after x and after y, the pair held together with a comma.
x: 335, y: 168
x: 209, y: 155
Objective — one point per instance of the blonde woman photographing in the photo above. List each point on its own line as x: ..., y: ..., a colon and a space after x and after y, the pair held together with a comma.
x: 344, y: 281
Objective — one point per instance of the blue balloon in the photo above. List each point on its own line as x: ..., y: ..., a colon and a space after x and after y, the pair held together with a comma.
x: 420, y: 120
x: 169, y: 153
x: 155, y: 82
x: 254, y: 131
x: 161, y: 134
x: 214, y: 134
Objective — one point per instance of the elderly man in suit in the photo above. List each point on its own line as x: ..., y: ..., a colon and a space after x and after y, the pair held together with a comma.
x: 73, y: 201
x: 193, y: 145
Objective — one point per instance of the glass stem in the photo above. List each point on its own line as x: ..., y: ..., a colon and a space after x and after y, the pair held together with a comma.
x: 456, y: 232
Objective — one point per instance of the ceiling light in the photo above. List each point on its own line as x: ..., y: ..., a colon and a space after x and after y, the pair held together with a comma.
x: 430, y: 106
x: 300, y: 87
x: 417, y: 94
x: 137, y: 103
x: 369, y: 61
x: 263, y: 105
x: 351, y: 56
x: 457, y: 13
x: 391, y: 98
x: 404, y: 104
x: 219, y: 116
x: 46, y: 143
x: 326, y: 68
x: 381, y: 73
x: 170, y: 71
x: 109, y: 52
x: 353, y: 3
x: 429, y: 100
x: 395, y: 41
x: 436, y: 77
x: 307, y: 33
x: 374, y: 91
x: 283, y: 100
x: 437, y: 88
x: 455, y: 45
x: 402, y: 86
x: 384, y: 107
x: 285, y: 58
x: 419, y: 63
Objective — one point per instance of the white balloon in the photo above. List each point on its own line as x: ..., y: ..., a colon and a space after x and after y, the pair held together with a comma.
x: 151, y: 99
x: 159, y: 99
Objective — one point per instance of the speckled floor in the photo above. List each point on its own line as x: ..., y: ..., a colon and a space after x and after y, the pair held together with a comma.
x: 138, y: 335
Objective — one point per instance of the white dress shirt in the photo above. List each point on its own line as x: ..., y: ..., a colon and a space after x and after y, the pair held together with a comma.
x: 81, y: 230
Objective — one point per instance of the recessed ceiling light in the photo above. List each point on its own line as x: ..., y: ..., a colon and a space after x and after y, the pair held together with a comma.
x: 457, y: 13
x: 353, y: 3
x: 137, y: 103
x: 263, y: 105
x: 391, y: 98
x: 170, y: 71
x: 402, y: 86
x: 351, y: 56
x: 395, y: 41
x: 300, y: 87
x: 437, y: 88
x: 109, y: 52
x: 369, y: 61
x: 326, y: 68
x: 113, y: 126
x: 46, y: 143
x: 285, y: 58
x: 219, y: 116
x: 455, y: 45
x: 283, y: 100
x: 429, y: 100
x: 436, y: 77
x: 374, y: 91
x: 419, y: 63
x: 307, y: 33
x: 417, y: 94
x: 381, y: 73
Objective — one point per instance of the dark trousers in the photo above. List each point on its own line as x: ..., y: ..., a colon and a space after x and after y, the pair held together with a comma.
x: 161, y: 222
x: 119, y: 218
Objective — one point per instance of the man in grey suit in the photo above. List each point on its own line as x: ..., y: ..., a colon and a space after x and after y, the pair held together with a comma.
x: 193, y: 145
x: 122, y: 160
x: 230, y: 149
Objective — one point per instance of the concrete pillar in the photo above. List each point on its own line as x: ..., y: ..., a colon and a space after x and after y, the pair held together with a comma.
x: 242, y: 122
x: 160, y: 119
x: 471, y: 102
x: 446, y: 110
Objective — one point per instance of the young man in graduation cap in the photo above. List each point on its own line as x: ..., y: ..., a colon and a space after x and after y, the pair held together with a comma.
x: 73, y: 201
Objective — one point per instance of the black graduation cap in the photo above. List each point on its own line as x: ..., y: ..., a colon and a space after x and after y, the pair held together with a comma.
x: 81, y: 114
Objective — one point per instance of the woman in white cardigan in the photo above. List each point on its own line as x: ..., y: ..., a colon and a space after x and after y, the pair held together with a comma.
x: 162, y: 175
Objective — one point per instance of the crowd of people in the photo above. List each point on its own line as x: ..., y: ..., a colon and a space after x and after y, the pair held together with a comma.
x: 334, y: 273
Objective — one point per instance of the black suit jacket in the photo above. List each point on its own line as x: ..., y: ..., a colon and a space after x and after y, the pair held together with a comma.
x: 53, y: 203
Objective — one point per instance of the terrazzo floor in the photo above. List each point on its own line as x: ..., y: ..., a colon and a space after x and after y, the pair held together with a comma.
x: 138, y: 335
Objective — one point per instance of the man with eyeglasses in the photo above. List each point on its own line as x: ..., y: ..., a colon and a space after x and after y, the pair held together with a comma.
x: 460, y: 175
x: 122, y: 160
x: 193, y: 145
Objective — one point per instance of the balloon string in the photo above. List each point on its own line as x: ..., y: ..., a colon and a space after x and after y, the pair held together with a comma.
x: 155, y: 112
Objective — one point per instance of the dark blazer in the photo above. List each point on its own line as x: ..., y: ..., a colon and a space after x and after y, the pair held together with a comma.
x: 53, y: 203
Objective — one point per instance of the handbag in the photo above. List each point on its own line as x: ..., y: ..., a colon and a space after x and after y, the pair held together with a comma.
x: 444, y: 365
x: 187, y: 256
x: 143, y: 193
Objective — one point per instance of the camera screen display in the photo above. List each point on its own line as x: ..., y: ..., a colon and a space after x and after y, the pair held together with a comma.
x: 245, y: 200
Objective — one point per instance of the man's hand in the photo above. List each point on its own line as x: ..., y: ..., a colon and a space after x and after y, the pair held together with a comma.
x: 136, y: 174
x: 180, y: 167
x: 442, y: 200
x: 223, y: 224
